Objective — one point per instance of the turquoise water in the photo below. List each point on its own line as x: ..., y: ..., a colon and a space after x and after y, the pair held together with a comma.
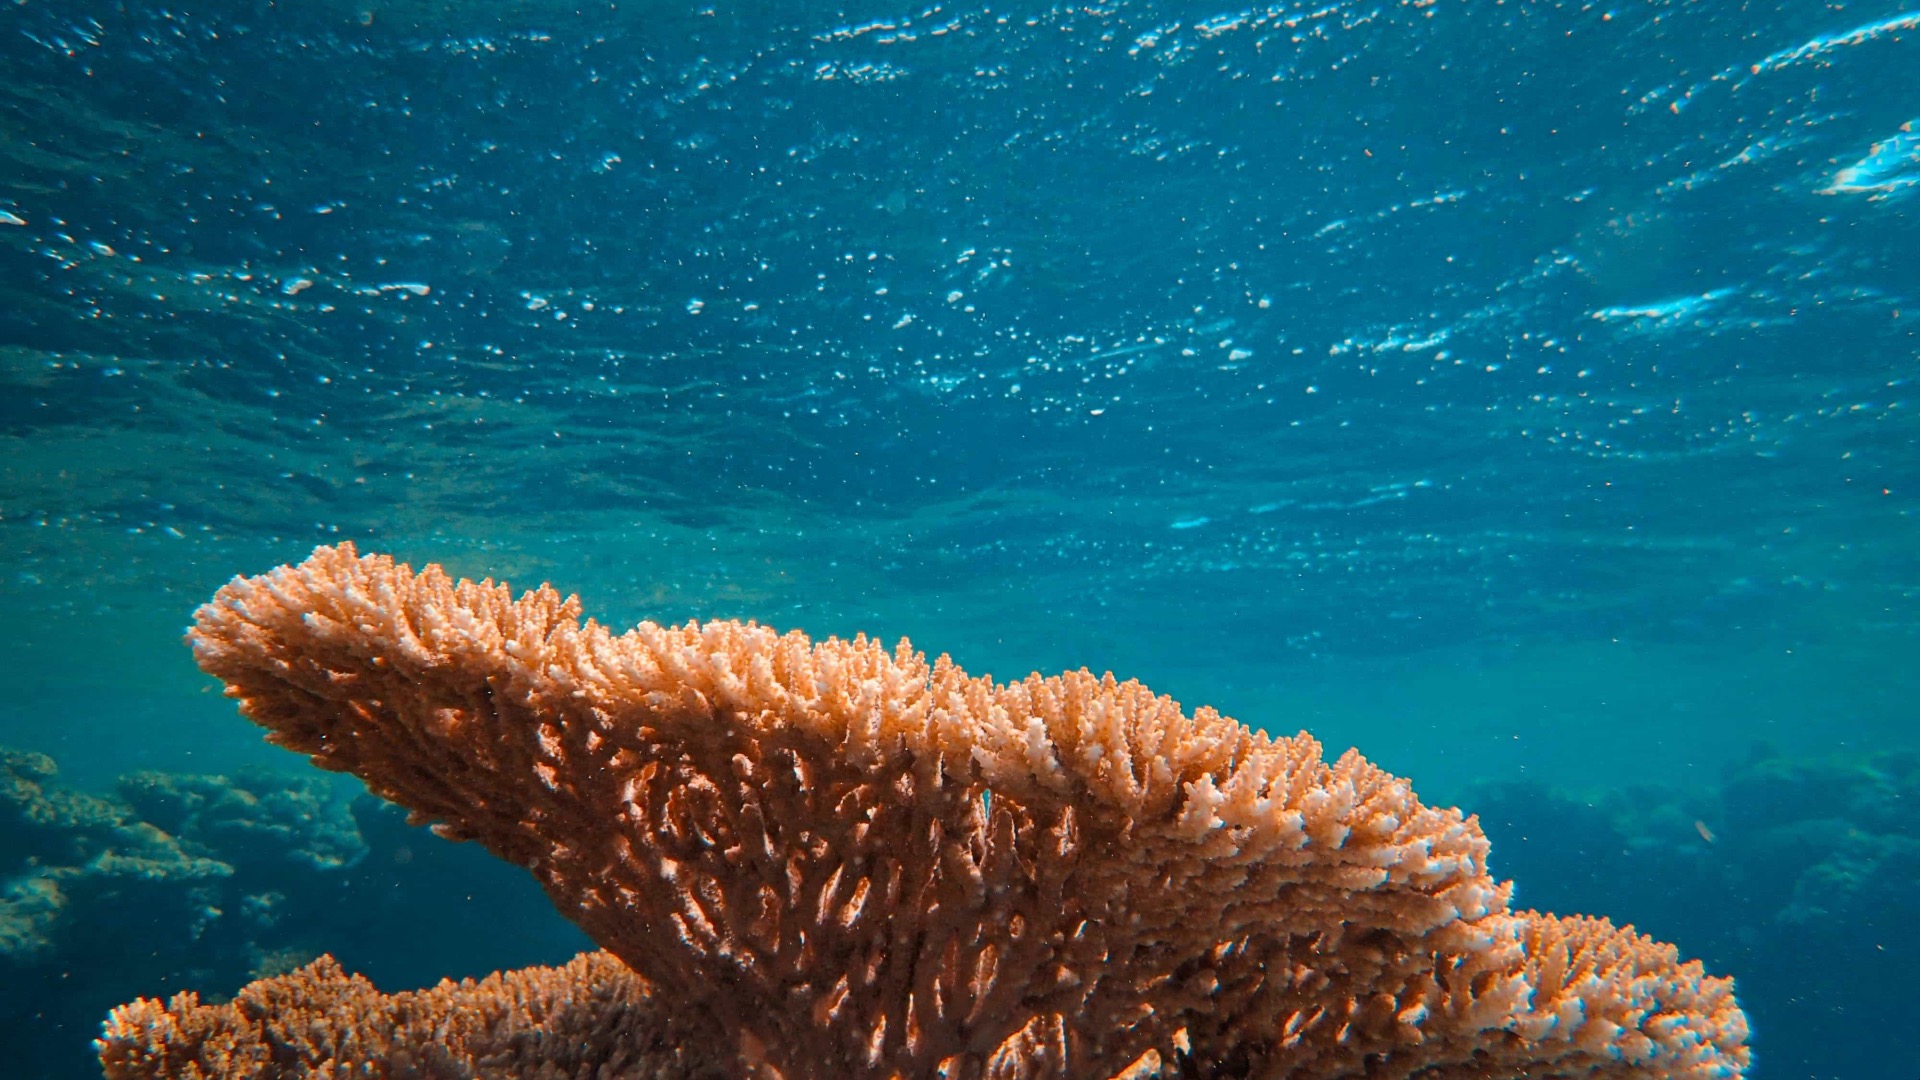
x: 1522, y: 393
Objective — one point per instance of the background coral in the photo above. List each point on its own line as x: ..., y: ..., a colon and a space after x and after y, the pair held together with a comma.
x: 1807, y: 866
x: 182, y: 881
x: 589, y: 1020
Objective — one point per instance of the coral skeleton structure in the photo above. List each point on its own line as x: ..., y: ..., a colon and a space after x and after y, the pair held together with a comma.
x: 835, y: 859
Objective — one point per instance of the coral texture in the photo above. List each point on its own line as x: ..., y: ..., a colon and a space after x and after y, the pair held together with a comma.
x: 842, y: 860
x: 592, y: 1018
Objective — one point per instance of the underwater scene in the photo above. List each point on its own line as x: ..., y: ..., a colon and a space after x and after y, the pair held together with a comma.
x: 1520, y: 392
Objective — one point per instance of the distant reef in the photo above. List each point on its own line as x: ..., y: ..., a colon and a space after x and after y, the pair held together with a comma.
x: 206, y: 882
x: 1800, y: 877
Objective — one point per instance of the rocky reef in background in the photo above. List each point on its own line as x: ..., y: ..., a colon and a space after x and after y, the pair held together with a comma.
x: 206, y: 882
x: 1796, y: 876
x: 1800, y: 877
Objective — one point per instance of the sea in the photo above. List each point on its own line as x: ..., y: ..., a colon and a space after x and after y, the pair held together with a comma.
x: 1520, y: 391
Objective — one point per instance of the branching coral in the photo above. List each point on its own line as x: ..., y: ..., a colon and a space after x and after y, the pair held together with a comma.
x: 840, y: 860
x: 589, y: 1019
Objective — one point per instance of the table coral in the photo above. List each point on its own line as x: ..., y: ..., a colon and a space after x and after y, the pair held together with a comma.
x: 838, y: 859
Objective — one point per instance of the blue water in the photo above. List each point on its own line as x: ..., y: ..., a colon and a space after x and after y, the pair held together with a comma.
x: 1521, y: 392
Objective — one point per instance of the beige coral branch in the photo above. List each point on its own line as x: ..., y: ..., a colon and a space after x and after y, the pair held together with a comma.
x: 540, y: 1023
x: 837, y: 859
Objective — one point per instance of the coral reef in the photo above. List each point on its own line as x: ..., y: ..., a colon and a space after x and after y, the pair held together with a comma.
x: 590, y: 1019
x: 93, y: 901
x: 1799, y: 873
x: 203, y: 881
x: 836, y: 859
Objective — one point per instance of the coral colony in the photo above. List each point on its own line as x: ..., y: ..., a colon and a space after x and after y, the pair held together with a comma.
x: 831, y: 859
